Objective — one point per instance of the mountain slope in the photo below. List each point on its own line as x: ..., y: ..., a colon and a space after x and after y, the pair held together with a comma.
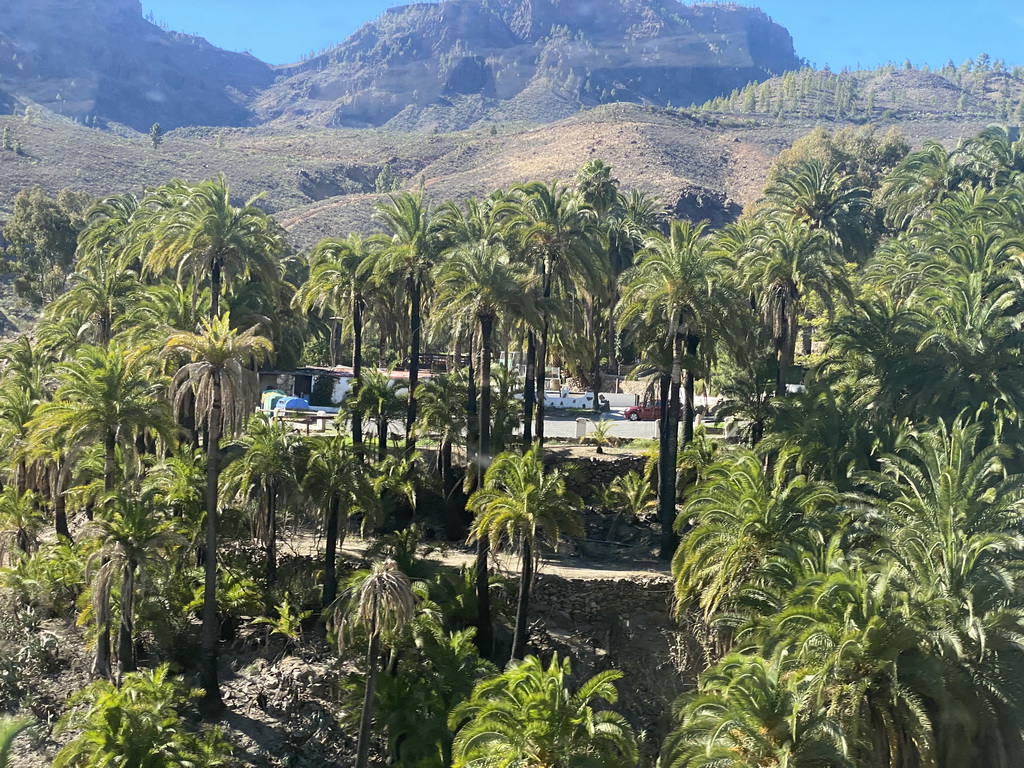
x: 100, y: 61
x: 448, y: 65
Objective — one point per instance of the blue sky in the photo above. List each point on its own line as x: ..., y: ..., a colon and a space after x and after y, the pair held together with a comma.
x: 866, y: 32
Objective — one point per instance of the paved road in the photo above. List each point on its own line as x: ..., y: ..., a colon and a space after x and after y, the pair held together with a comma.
x: 620, y: 427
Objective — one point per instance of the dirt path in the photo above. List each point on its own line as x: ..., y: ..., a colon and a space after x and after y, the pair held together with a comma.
x: 305, y: 544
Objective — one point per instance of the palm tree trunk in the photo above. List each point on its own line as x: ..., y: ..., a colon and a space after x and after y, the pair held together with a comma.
x: 486, y: 332
x: 271, y: 527
x: 484, y: 630
x: 372, y: 669
x: 542, y: 353
x: 125, y: 646
x: 331, y: 556
x: 596, y: 386
x: 110, y: 460
x: 689, y: 412
x: 472, y: 427
x: 382, y: 438
x: 414, y: 366
x: 523, y: 606
x: 666, y: 475
x: 215, y: 285
x: 101, y: 659
x: 209, y: 675
x: 670, y: 540
x: 357, y: 371
x: 60, y: 502
x: 529, y: 389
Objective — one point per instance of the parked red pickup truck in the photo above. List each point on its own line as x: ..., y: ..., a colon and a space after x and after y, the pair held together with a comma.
x: 648, y: 412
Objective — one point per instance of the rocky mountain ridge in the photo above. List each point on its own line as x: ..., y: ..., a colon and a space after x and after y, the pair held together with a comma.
x: 426, y: 66
x: 448, y: 65
x: 101, y: 62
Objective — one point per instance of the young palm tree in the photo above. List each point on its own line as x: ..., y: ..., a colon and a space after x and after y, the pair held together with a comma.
x: 528, y: 716
x: 20, y: 522
x: 381, y: 602
x: 443, y: 414
x: 267, y: 473
x: 630, y: 496
x: 521, y: 505
x: 222, y: 392
x: 742, y: 518
x: 135, y: 538
x: 380, y: 398
x: 753, y: 711
x: 337, y: 483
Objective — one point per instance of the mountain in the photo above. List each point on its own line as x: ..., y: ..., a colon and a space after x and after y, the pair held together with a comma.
x: 101, y: 61
x: 451, y: 64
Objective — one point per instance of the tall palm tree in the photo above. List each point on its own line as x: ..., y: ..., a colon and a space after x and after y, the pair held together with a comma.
x: 521, y: 505
x: 529, y: 716
x: 786, y: 261
x: 414, y: 246
x: 380, y: 601
x: 339, y: 281
x: 557, y: 231
x: 266, y: 473
x: 196, y: 233
x: 679, y: 284
x: 222, y: 392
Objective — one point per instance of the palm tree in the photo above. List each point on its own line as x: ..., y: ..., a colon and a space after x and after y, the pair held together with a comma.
x: 135, y: 537
x: 528, y: 716
x: 20, y: 522
x: 336, y: 482
x: 106, y: 396
x: 742, y: 518
x: 679, y: 284
x: 266, y: 473
x: 482, y: 281
x: 786, y: 261
x: 339, y: 281
x: 195, y: 231
x: 751, y: 711
x: 921, y: 178
x: 630, y: 495
x: 380, y: 398
x: 557, y: 230
x: 443, y: 411
x: 521, y: 505
x: 222, y: 392
x: 380, y: 601
x: 825, y: 200
x: 415, y: 243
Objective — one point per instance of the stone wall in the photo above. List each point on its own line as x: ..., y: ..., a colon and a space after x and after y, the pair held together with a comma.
x: 593, y: 475
x: 571, y: 601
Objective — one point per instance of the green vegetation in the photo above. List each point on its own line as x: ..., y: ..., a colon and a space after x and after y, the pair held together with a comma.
x: 848, y: 559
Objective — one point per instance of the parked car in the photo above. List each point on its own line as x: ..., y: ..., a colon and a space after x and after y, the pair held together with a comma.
x: 646, y: 412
